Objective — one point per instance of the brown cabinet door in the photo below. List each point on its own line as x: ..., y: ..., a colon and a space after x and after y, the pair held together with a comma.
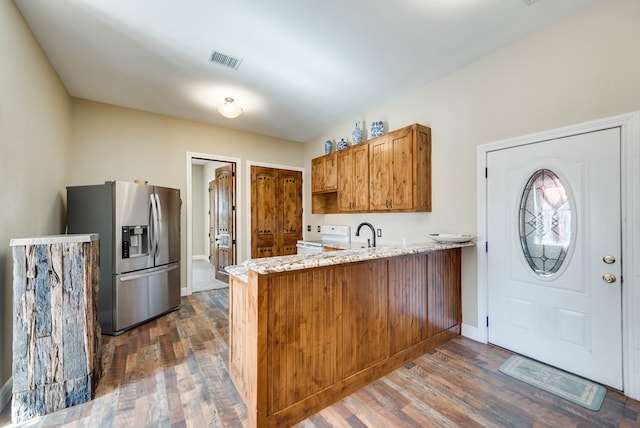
x: 353, y: 183
x: 276, y: 211
x: 317, y: 175
x: 422, y: 169
x: 330, y: 172
x: 401, y: 147
x: 345, y: 184
x: 324, y: 174
x: 360, y: 174
x: 380, y: 174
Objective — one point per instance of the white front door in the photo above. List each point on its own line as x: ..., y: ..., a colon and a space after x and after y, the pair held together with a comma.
x: 554, y: 253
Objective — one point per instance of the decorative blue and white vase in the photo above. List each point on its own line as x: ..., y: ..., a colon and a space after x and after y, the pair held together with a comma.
x: 328, y: 146
x: 377, y: 129
x: 342, y: 144
x: 356, y: 135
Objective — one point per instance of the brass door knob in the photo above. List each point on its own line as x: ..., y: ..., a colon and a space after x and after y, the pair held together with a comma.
x: 609, y: 278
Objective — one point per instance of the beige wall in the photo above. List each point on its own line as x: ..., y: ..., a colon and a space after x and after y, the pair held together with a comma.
x: 115, y: 143
x: 584, y: 68
x: 34, y: 152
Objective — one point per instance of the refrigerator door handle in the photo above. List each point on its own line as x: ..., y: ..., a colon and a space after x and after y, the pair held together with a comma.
x: 147, y: 273
x: 153, y: 224
x: 159, y: 224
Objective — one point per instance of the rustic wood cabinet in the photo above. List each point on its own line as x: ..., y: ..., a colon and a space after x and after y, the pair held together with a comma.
x: 400, y: 170
x: 302, y: 340
x: 389, y: 173
x: 276, y: 211
x: 353, y: 181
x: 324, y: 174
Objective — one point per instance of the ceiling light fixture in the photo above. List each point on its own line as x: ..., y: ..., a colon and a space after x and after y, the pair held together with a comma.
x: 229, y: 108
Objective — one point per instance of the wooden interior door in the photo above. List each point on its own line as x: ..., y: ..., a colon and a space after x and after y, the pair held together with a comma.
x: 290, y: 211
x: 264, y: 218
x: 276, y: 211
x: 222, y: 236
x: 212, y: 223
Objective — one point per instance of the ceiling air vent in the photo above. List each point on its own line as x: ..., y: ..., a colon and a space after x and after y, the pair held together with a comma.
x: 529, y: 2
x: 225, y: 60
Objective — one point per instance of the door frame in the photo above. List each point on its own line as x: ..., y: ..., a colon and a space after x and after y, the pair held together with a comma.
x: 188, y: 263
x: 248, y: 195
x: 630, y: 210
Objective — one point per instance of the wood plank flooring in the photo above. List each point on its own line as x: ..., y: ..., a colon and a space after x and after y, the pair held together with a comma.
x: 173, y: 372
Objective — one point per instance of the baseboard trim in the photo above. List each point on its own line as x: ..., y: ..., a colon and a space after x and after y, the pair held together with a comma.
x: 472, y: 333
x: 5, y: 394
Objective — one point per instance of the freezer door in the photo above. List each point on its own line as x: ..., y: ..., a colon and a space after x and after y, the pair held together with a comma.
x: 143, y: 295
x: 132, y: 215
x: 167, y: 233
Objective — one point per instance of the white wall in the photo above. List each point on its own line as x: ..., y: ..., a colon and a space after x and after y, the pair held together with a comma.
x: 34, y: 150
x: 584, y: 68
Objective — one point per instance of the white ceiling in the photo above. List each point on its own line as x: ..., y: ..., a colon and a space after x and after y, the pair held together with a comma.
x: 307, y: 65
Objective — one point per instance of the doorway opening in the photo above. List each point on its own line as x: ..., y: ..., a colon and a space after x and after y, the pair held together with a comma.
x: 212, y: 231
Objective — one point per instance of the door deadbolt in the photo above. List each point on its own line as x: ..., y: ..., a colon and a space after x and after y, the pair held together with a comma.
x: 609, y: 260
x: 609, y: 278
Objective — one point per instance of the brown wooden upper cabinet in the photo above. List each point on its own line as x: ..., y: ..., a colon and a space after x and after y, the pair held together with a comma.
x: 353, y: 182
x: 389, y: 173
x: 324, y: 174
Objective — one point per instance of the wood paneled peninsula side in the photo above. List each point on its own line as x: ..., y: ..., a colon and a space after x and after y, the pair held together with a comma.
x: 308, y: 330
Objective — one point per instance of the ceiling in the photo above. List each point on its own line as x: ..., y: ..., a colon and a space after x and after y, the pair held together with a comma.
x: 307, y: 66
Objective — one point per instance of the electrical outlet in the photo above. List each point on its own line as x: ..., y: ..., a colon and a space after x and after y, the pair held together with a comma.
x: 379, y: 233
x: 318, y: 229
x: 308, y: 228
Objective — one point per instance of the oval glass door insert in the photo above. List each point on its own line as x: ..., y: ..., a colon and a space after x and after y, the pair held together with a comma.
x: 545, y: 222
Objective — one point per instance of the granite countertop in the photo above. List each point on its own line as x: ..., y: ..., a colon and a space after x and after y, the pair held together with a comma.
x: 269, y: 265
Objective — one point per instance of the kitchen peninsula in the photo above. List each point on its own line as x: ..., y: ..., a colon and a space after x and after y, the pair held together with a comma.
x: 308, y: 330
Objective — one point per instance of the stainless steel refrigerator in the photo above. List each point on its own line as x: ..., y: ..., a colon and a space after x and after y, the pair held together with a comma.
x: 139, y: 227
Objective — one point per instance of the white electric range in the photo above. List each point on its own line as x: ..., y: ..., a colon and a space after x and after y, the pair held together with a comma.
x: 334, y: 236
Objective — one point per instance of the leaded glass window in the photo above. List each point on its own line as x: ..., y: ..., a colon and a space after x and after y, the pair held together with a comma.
x: 545, y: 222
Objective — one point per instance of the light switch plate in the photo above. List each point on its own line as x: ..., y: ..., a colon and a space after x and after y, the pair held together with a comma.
x: 379, y: 233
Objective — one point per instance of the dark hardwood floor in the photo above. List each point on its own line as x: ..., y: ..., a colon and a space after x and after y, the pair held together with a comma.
x: 173, y: 372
